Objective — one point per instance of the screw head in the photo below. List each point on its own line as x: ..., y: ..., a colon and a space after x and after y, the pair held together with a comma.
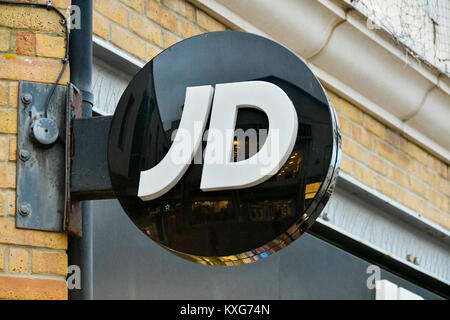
x: 24, y: 209
x: 24, y: 155
x: 27, y: 98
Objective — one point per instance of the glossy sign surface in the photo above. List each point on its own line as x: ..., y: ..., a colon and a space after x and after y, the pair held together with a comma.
x: 226, y: 227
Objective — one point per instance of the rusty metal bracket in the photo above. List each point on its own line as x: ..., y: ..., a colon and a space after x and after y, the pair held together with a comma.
x: 53, y: 178
x: 41, y: 163
x: 73, y: 217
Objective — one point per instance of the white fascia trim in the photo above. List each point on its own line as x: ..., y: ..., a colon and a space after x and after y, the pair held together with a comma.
x: 107, y: 46
x: 378, y: 249
x: 231, y: 19
x: 393, y: 207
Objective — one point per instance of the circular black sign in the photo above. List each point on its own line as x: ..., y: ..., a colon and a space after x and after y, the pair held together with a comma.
x: 228, y: 226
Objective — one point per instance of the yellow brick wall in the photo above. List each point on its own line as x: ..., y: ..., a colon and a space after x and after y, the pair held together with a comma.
x: 33, y: 264
x: 387, y: 162
x: 373, y: 154
x: 143, y: 28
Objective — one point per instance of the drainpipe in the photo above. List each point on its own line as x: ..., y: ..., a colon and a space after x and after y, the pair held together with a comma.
x: 80, y: 250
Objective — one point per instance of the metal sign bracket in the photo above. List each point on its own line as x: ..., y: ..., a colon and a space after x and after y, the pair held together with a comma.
x: 41, y: 157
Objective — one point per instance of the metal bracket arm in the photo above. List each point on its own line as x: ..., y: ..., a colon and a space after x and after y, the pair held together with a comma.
x: 90, y: 176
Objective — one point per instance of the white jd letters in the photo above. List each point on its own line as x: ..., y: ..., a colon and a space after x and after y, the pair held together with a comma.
x: 225, y: 174
x: 161, y: 178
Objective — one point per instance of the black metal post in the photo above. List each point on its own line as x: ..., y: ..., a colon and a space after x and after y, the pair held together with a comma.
x: 80, y: 56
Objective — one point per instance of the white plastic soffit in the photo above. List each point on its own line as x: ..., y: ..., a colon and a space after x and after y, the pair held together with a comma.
x: 362, y: 65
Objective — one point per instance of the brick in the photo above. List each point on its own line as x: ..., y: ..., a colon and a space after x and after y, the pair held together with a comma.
x: 10, y: 235
x: 10, y: 203
x: 162, y: 16
x: 398, y: 177
x: 418, y: 187
x: 100, y: 26
x: 188, y: 30
x: 437, y: 165
x: 3, y: 90
x: 7, y: 175
x: 137, y: 5
x: 24, y: 17
x: 182, y: 7
x: 113, y: 10
x: 7, y: 201
x: 364, y: 175
x: 32, y: 69
x: 209, y: 23
x: 4, y: 39
x: 444, y: 186
x: 8, y: 121
x: 404, y: 145
x: 386, y: 187
x: 12, y: 149
x: 152, y: 52
x: 417, y: 153
x: 422, y: 206
x: 351, y: 111
x: 438, y: 199
x: 2, y: 258
x: 49, y: 46
x: 409, y: 165
x: 429, y: 176
x: 32, y: 289
x: 2, y: 205
x: 169, y: 40
x: 47, y: 262
x: 353, y: 149
x: 409, y: 200
x: 63, y: 4
x: 386, y: 151
x: 25, y: 43
x: 18, y: 260
x: 13, y: 94
x: 346, y: 164
x: 445, y: 221
x: 376, y: 163
x: 362, y: 137
x: 393, y: 138
x: 374, y: 126
x: 345, y: 125
x: 146, y: 29
x: 128, y: 42
x: 4, y: 148
x: 433, y: 214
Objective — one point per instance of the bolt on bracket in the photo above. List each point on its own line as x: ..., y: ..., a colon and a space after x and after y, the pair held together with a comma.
x: 41, y: 169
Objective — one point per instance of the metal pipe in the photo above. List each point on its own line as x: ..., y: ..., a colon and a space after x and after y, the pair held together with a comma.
x: 80, y: 55
x: 80, y: 250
